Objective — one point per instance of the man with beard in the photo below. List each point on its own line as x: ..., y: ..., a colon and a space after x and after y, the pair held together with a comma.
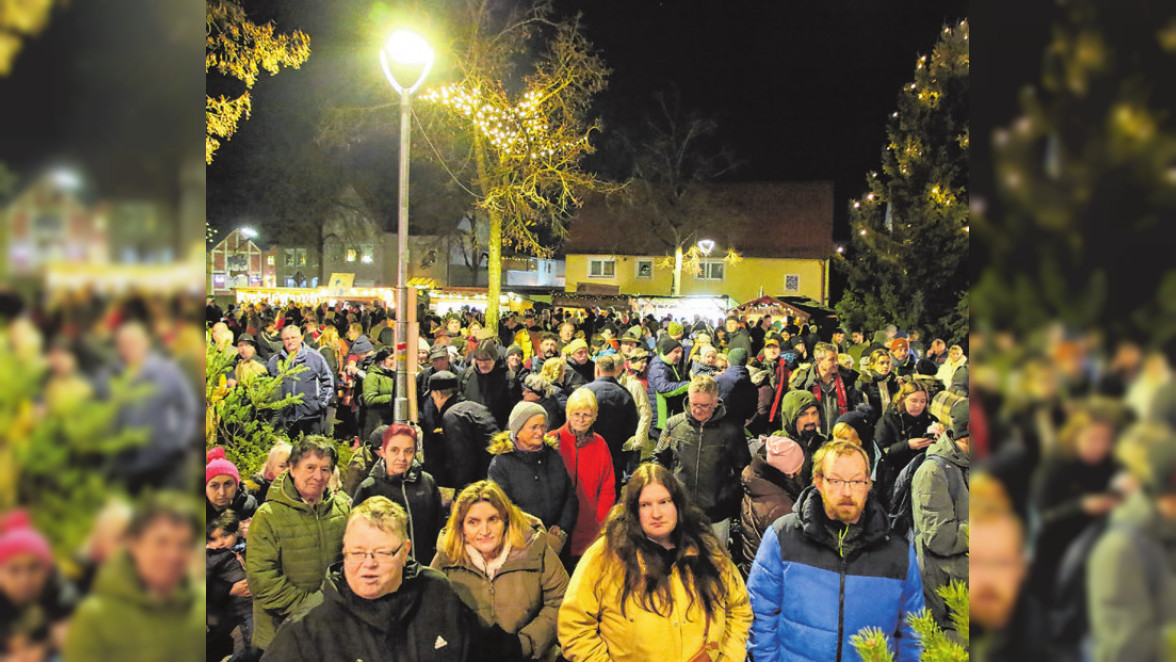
x: 833, y: 386
x: 801, y: 418
x: 769, y: 372
x: 833, y: 549
x: 548, y: 349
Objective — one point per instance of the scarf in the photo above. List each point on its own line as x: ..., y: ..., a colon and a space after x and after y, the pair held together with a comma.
x: 494, y: 565
x: 883, y: 394
x: 842, y: 400
x: 782, y: 373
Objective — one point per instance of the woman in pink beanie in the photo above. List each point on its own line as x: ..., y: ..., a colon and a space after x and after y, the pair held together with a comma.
x: 35, y: 602
x: 222, y: 488
x: 771, y: 484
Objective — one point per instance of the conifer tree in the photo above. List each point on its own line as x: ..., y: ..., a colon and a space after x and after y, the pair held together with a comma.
x: 907, y: 261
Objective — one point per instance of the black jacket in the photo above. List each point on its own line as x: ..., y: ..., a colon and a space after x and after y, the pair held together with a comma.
x: 495, y: 389
x: 244, y: 504
x: 708, y: 458
x: 538, y: 482
x: 417, y: 493
x: 738, y: 393
x: 616, y: 418
x: 456, y: 439
x: 890, y: 436
x: 423, y: 620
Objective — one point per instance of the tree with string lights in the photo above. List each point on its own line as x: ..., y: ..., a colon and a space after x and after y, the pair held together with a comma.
x: 526, y: 143
x: 907, y: 260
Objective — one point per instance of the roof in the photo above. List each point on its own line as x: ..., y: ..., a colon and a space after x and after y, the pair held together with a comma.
x: 757, y: 219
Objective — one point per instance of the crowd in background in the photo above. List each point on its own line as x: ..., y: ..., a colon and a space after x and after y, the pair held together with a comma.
x: 118, y: 574
x: 542, y: 464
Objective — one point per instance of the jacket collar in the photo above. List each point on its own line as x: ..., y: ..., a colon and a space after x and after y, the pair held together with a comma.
x: 384, y: 613
x: 874, y: 524
x: 380, y: 472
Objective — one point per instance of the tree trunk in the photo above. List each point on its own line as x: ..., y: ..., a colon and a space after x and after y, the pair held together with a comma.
x: 676, y: 288
x: 494, y: 245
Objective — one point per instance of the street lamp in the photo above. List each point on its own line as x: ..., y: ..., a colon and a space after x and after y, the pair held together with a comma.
x: 706, y: 246
x: 406, y: 52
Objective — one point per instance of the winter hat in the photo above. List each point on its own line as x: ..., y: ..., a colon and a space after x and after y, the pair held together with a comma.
x: 737, y: 356
x: 666, y: 344
x: 247, y: 337
x: 440, y: 381
x: 674, y: 329
x: 219, y: 465
x: 17, y: 536
x: 899, y: 342
x: 632, y: 335
x: 523, y: 412
x: 361, y: 345
x: 784, y: 454
x: 375, y: 440
x: 950, y: 407
x: 422, y: 345
x: 575, y: 346
x: 772, y: 339
x: 638, y: 354
x: 514, y: 349
x: 861, y: 419
x: 926, y: 367
x: 438, y: 352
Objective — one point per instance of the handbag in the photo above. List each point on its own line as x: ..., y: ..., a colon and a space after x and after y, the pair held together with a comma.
x: 703, y: 654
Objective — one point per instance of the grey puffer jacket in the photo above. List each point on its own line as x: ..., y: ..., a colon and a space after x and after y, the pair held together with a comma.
x: 939, y: 500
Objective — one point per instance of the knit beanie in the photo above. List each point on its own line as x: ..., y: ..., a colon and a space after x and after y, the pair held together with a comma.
x: 362, y: 345
x: 674, y: 329
x: 17, y: 536
x: 514, y: 349
x: 575, y: 346
x: 219, y: 465
x: 523, y: 412
x: 784, y: 454
x: 737, y: 356
x: 926, y: 367
x: 666, y: 344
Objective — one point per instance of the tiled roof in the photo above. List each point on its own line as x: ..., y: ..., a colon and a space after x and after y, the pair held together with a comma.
x: 758, y: 219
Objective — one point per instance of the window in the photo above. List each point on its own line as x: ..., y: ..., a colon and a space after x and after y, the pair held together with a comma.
x: 368, y: 251
x: 792, y: 283
x: 351, y: 255
x: 602, y: 268
x: 301, y: 257
x: 645, y: 268
x: 289, y: 257
x: 712, y: 270
x: 269, y: 259
x: 218, y: 281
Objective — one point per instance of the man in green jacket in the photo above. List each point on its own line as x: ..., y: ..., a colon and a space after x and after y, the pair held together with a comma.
x: 1131, y: 588
x: 144, y: 605
x: 296, y: 534
x: 939, y: 503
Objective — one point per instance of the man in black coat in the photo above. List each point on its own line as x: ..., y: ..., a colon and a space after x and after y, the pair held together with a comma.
x: 457, y: 433
x: 616, y: 412
x: 489, y: 382
x: 735, y: 388
x: 378, y: 603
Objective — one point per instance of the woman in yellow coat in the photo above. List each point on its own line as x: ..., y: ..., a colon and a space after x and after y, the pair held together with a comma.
x: 656, y: 585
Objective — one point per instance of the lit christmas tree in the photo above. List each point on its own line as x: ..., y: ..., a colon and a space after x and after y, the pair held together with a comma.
x: 1078, y: 226
x: 907, y: 262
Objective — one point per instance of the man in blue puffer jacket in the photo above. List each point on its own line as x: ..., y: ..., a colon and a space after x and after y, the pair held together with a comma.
x: 831, y: 568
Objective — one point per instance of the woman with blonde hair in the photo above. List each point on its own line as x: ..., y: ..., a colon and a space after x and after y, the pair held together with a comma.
x: 500, y: 563
x: 275, y: 464
x: 657, y: 585
x: 553, y: 369
x: 878, y: 383
x: 589, y: 463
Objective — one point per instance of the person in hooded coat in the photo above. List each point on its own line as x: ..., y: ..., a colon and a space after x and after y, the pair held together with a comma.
x: 398, y: 476
x: 735, y: 387
x: 771, y: 485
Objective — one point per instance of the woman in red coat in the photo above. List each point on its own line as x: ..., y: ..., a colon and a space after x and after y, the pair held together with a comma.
x: 589, y: 464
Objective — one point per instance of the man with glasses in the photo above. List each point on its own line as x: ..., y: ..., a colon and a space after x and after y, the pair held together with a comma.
x: 378, y: 599
x: 831, y: 568
x: 707, y: 450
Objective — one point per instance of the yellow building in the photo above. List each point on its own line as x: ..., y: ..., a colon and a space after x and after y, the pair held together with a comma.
x: 783, y: 231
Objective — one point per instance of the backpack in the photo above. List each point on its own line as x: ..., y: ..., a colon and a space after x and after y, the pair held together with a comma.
x: 1068, y: 613
x: 901, y: 513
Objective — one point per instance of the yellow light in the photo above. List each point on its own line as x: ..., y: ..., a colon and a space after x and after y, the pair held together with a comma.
x: 863, y: 232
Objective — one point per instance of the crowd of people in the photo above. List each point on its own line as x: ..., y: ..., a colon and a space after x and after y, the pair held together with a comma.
x: 103, y: 567
x: 587, y: 485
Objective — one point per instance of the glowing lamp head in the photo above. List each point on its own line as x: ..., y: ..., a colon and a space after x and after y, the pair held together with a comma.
x: 706, y: 246
x: 406, y: 51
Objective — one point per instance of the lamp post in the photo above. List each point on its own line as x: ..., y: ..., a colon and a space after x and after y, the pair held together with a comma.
x: 406, y: 52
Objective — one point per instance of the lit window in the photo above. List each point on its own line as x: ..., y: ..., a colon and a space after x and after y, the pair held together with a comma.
x: 269, y: 259
x: 368, y: 250
x: 602, y: 268
x: 351, y: 255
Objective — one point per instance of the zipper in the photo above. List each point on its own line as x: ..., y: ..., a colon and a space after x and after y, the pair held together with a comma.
x: 841, y: 610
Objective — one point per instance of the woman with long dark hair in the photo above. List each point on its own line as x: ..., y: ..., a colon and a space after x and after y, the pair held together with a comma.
x: 657, y: 585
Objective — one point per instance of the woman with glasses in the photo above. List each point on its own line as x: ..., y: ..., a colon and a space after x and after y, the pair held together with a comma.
x: 501, y: 564
x: 657, y: 585
x: 378, y: 600
x: 589, y: 462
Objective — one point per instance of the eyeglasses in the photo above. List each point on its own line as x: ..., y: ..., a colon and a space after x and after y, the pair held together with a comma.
x: 837, y: 483
x: 380, y: 556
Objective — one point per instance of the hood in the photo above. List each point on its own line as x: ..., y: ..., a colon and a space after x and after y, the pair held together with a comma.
x: 382, y: 613
x: 118, y: 580
x: 945, y: 447
x: 502, y: 443
x: 815, y: 523
x: 282, y: 491
x: 794, y: 403
x: 380, y: 472
x: 1139, y: 511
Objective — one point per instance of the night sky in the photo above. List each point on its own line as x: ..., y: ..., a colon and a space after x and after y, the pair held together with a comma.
x: 801, y: 90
